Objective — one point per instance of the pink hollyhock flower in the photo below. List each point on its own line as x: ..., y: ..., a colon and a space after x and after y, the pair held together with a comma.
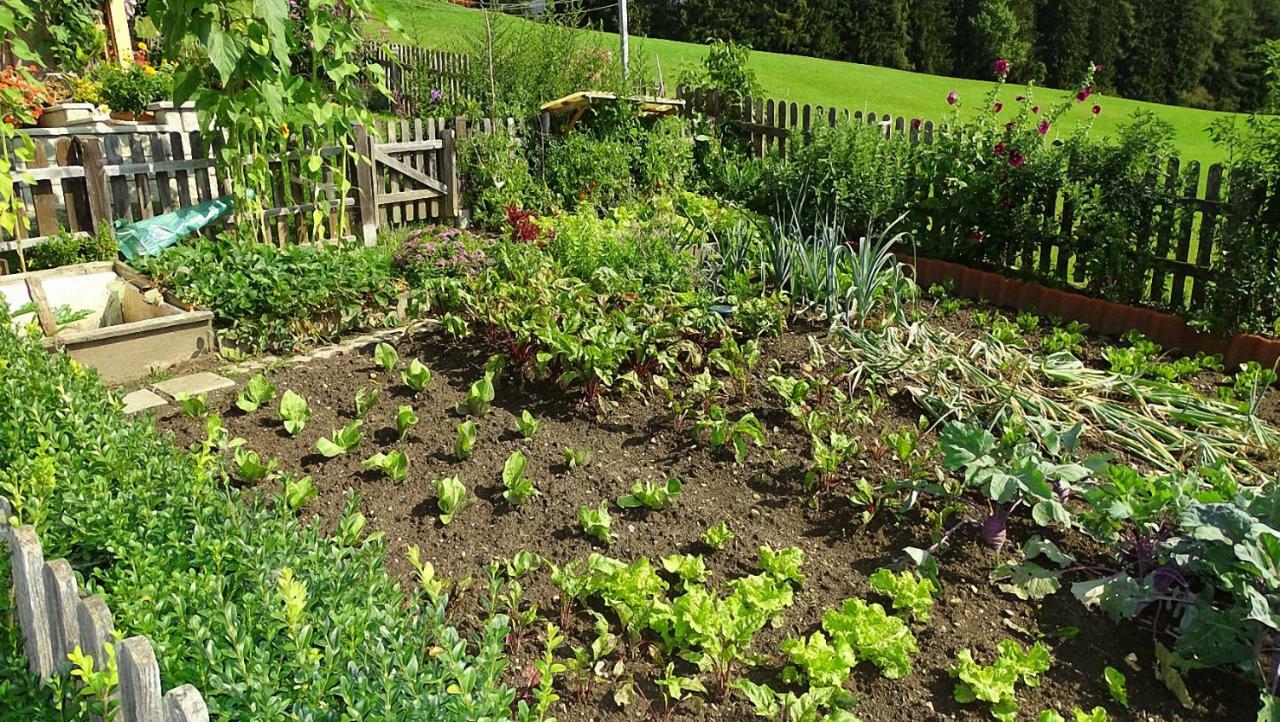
x: 1016, y: 160
x: 1097, y: 68
x: 1097, y: 109
x: 952, y: 97
x: 915, y: 124
x: 1084, y: 93
x: 1044, y: 126
x: 998, y: 107
x: 999, y: 149
x: 1002, y: 67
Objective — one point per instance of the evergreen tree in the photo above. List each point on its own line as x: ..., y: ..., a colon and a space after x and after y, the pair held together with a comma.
x: 932, y: 27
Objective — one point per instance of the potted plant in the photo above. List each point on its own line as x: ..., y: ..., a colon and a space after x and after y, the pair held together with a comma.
x: 127, y: 90
x: 25, y: 97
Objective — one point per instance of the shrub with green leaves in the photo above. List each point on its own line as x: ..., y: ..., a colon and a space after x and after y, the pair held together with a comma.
x: 117, y: 484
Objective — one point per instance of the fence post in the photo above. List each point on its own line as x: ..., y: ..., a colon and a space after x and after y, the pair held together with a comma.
x: 139, y: 681
x: 365, y: 186
x: 449, y: 174
x: 184, y: 704
x: 93, y: 158
x: 94, y: 620
x: 28, y: 588
x: 62, y: 595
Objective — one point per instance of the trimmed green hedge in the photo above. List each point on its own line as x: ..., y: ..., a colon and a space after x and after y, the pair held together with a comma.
x: 200, y: 568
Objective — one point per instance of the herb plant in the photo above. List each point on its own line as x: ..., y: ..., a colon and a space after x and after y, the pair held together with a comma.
x: 294, y: 411
x: 342, y: 441
x: 258, y: 392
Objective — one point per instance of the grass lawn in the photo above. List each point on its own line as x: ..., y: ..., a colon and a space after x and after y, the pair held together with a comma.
x: 438, y: 24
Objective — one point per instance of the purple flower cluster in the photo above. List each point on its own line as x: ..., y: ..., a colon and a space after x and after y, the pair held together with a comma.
x: 437, y: 251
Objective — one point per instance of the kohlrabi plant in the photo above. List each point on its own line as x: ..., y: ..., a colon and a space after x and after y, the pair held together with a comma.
x: 576, y: 458
x: 996, y: 684
x: 294, y: 411
x: 385, y: 356
x: 250, y: 468
x: 395, y: 465
x: 366, y: 399
x: 479, y: 397
x: 451, y: 497
x: 527, y: 424
x: 417, y: 377
x: 912, y: 596
x: 717, y: 537
x: 518, y: 487
x: 465, y: 441
x: 597, y: 522
x: 649, y: 495
x: 342, y: 441
x: 406, y: 419
x: 258, y: 392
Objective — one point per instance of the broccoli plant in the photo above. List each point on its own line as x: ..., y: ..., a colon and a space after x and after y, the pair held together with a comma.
x: 649, y: 495
x: 451, y: 497
x: 518, y: 486
x: 395, y: 465
x: 258, y: 392
x: 294, y: 411
x: 341, y: 441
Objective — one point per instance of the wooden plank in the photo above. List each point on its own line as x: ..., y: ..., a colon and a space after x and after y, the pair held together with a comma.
x: 120, y: 205
x: 1186, y: 228
x: 366, y: 188
x: 406, y: 197
x: 27, y: 558
x: 164, y: 193
x: 1164, y: 229
x: 142, y: 179
x: 395, y: 216
x: 1208, y: 231
x: 206, y: 180
x: 407, y: 146
x: 181, y: 177
x: 92, y: 155
x: 449, y: 174
x: 412, y: 173
x: 167, y: 166
x: 74, y: 197
x: 431, y: 166
x: 44, y: 202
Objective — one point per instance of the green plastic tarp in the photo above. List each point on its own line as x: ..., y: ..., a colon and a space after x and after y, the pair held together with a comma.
x: 150, y: 236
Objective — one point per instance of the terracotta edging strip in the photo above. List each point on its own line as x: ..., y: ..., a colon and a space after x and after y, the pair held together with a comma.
x: 1105, y: 317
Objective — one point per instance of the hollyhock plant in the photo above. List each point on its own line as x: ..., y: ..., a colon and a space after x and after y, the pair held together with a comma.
x: 1084, y: 93
x: 999, y: 149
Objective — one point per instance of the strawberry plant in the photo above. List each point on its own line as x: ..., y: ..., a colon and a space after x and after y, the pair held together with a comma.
x: 366, y: 399
x: 651, y: 496
x: 395, y: 465
x: 518, y: 486
x: 466, y: 440
x: 721, y: 432
x: 596, y: 523
x: 341, y: 441
x: 576, y: 458
x: 717, y: 537
x: 526, y: 424
x: 451, y: 497
x: 256, y: 393
x: 250, y: 468
x: 294, y: 411
x: 417, y: 377
x: 996, y: 684
x: 911, y: 595
x: 406, y: 419
x: 385, y: 356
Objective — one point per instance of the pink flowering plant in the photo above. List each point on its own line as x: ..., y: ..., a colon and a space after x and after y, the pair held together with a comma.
x: 436, y: 252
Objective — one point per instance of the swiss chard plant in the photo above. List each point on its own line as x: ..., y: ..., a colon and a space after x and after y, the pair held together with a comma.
x: 342, y: 440
x: 294, y: 411
x: 258, y: 392
x: 650, y: 495
x: 738, y: 434
x: 394, y: 464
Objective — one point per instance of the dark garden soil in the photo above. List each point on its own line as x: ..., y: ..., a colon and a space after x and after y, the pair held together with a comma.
x: 763, y: 501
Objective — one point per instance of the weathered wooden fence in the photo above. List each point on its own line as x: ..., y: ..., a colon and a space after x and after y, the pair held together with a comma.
x: 55, y: 619
x: 403, y: 173
x: 433, y: 70
x: 1183, y: 233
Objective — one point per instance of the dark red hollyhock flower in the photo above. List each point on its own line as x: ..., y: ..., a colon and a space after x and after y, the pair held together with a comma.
x: 999, y: 149
x: 976, y: 235
x: 1016, y: 160
x: 952, y: 97
x: 1044, y: 126
x: 1008, y: 127
x: 915, y: 124
x: 1002, y: 67
x: 1035, y: 109
x: 1084, y: 93
x: 998, y: 107
x: 1007, y: 202
x: 1097, y: 109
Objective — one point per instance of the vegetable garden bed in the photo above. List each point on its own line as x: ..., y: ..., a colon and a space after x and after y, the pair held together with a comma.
x: 764, y: 501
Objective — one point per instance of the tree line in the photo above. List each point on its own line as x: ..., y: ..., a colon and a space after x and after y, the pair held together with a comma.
x: 1202, y: 53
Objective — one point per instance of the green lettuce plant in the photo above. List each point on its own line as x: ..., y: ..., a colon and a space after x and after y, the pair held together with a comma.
x: 417, y: 377
x: 294, y: 411
x: 912, y: 596
x: 451, y: 497
x: 250, y: 468
x: 197, y: 407
x: 258, y: 392
x: 518, y: 486
x: 394, y: 464
x: 996, y: 683
x: 576, y: 458
x: 385, y: 356
x: 466, y: 440
x: 406, y: 419
x: 717, y: 537
x: 649, y: 495
x: 527, y: 425
x: 596, y: 523
x: 479, y: 397
x: 341, y: 441
x: 366, y: 399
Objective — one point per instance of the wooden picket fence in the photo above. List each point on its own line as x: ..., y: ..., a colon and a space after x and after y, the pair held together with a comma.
x: 55, y: 619
x: 446, y: 72
x: 1187, y: 226
x: 75, y: 181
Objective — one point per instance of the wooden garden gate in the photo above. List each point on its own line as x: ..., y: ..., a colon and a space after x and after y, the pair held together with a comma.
x: 410, y: 174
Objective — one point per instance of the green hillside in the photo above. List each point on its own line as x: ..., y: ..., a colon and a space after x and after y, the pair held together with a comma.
x: 438, y: 24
